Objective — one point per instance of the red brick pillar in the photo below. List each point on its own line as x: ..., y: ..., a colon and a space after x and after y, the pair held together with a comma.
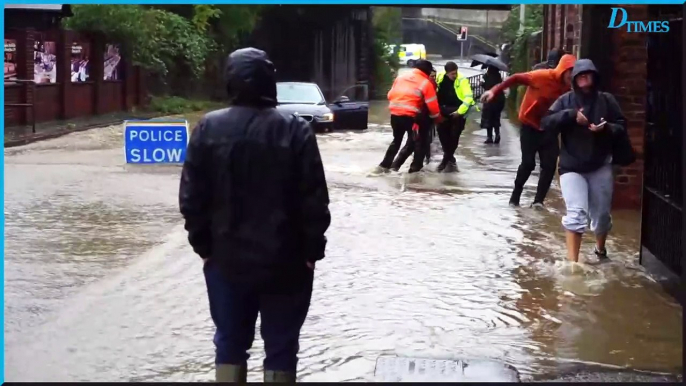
x: 129, y: 85
x: 25, y: 50
x: 544, y: 33
x: 64, y: 43
x: 141, y: 87
x: 98, y: 72
x: 628, y: 84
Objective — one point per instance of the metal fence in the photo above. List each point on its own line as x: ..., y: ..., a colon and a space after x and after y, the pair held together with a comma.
x: 477, y: 87
x: 663, y: 171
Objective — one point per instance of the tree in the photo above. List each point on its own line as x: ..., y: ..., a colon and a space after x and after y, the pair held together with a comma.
x: 387, y: 24
x: 153, y: 38
x: 519, y: 54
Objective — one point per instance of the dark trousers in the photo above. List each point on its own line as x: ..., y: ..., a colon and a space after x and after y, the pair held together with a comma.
x: 234, y: 310
x: 489, y: 131
x: 400, y: 125
x: 428, y: 142
x: 417, y: 143
x: 535, y: 141
x: 449, y: 132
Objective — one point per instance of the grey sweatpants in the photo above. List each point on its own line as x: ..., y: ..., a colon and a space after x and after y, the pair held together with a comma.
x: 588, y: 196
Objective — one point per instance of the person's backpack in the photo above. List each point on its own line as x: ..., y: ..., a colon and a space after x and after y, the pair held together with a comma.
x: 623, y: 153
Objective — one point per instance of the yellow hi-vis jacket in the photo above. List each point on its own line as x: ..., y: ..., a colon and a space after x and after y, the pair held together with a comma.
x: 463, y: 91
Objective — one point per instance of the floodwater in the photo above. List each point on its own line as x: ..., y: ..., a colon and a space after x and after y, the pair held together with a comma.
x: 100, y: 284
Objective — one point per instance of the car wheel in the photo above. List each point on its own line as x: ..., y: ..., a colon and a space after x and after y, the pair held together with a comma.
x: 410, y: 63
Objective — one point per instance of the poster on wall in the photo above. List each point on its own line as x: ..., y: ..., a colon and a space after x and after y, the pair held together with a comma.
x: 10, y: 59
x: 45, y: 62
x: 80, y: 52
x: 112, y: 61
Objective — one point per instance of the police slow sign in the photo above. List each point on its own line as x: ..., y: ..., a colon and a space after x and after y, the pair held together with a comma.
x: 155, y: 142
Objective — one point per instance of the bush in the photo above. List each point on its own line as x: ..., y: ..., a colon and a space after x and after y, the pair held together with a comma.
x: 387, y: 22
x: 173, y: 105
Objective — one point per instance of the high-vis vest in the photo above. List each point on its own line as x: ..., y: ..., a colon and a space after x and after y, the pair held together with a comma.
x: 410, y: 92
x: 463, y: 91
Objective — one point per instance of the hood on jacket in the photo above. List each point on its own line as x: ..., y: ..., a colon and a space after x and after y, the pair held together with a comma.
x: 554, y: 57
x: 566, y: 63
x: 582, y: 66
x: 250, y: 78
x: 424, y: 66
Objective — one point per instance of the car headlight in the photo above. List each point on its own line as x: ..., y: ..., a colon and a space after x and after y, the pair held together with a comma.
x: 328, y: 117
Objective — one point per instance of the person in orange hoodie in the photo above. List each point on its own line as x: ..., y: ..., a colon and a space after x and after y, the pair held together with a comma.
x: 544, y: 87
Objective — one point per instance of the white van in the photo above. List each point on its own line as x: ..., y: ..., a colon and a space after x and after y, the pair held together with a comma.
x: 409, y: 53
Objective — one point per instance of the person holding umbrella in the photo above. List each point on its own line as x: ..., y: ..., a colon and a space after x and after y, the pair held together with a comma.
x: 490, y: 114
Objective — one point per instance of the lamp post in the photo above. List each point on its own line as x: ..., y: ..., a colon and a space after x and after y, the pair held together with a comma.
x: 522, y: 16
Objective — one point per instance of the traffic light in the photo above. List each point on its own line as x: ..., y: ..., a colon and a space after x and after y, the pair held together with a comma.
x: 463, y: 33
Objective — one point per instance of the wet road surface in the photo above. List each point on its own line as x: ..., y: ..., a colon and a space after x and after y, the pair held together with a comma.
x: 100, y: 284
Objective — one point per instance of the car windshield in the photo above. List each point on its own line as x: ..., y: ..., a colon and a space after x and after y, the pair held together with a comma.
x: 298, y: 93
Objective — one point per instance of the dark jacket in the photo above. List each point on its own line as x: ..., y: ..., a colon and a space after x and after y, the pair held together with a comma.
x: 553, y: 59
x: 446, y: 94
x: 490, y: 114
x: 253, y: 191
x: 583, y: 150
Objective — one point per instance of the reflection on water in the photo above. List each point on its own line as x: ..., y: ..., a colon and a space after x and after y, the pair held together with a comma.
x: 102, y: 286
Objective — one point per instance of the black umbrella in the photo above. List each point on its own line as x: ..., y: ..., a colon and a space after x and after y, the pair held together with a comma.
x: 488, y: 60
x: 483, y: 66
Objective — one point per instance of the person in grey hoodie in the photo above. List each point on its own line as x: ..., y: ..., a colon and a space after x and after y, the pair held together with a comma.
x: 553, y: 59
x: 589, y: 121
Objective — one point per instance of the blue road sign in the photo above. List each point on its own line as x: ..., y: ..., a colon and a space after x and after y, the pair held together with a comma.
x: 155, y: 142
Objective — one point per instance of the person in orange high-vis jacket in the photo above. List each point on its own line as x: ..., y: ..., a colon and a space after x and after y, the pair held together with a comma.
x: 410, y: 93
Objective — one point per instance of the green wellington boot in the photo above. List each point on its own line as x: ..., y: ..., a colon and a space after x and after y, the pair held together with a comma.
x: 278, y: 376
x: 232, y: 373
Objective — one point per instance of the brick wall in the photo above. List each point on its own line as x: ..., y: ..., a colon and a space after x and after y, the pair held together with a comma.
x: 64, y: 99
x: 628, y: 84
x: 563, y: 27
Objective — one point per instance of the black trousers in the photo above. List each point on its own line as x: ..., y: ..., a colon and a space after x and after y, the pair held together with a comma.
x: 234, y: 309
x: 401, y: 125
x: 536, y: 141
x: 449, y: 132
x: 416, y: 142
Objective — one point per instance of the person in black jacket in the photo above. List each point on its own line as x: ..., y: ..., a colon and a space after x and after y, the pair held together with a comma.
x: 490, y: 114
x: 554, y: 57
x: 255, y: 202
x: 589, y: 121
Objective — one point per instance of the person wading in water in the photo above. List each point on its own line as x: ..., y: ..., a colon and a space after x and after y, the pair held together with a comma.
x: 544, y: 87
x: 456, y: 99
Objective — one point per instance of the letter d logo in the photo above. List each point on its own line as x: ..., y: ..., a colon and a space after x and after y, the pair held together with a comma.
x: 613, y: 18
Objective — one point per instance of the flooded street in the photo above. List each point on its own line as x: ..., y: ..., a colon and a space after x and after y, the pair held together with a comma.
x: 101, y: 285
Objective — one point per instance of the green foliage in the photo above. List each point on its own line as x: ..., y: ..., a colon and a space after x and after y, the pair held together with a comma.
x: 154, y: 38
x: 203, y: 14
x: 233, y: 23
x: 387, y: 23
x: 172, y: 105
x: 521, y: 41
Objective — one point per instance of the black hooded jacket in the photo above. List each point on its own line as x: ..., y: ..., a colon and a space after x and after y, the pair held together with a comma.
x: 554, y: 57
x: 583, y: 150
x: 253, y: 192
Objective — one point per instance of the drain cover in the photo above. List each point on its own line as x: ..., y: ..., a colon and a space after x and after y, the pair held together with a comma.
x: 398, y: 369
